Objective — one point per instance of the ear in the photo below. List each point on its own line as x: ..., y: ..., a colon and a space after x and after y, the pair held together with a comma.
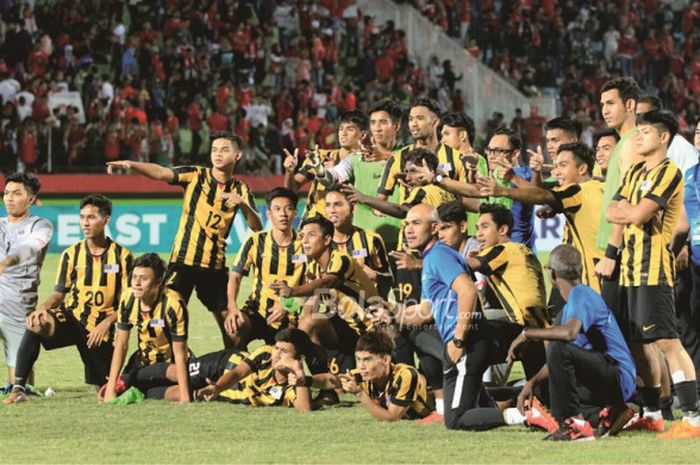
x: 631, y: 105
x: 463, y: 227
x: 503, y: 230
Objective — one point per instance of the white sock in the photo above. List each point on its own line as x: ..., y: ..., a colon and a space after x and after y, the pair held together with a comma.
x: 440, y: 406
x: 512, y: 416
x: 652, y: 414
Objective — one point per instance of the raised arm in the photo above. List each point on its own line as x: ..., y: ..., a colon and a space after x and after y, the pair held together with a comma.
x: 150, y: 170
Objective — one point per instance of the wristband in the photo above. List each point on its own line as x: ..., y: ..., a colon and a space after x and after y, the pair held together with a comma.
x: 611, y: 252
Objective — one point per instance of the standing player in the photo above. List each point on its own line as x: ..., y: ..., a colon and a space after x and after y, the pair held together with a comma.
x: 81, y: 311
x: 646, y: 208
x: 557, y: 131
x: 24, y: 239
x: 160, y: 317
x: 212, y: 198
x: 351, y: 130
x: 273, y: 255
x: 604, y: 142
x: 364, y: 246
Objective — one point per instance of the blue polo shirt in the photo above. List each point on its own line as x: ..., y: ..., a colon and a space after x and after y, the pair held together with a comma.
x: 600, y: 333
x: 441, y: 266
x: 691, y: 202
x: 523, y: 214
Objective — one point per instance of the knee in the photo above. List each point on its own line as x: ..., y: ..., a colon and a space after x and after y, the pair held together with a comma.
x: 557, y: 351
x: 451, y: 419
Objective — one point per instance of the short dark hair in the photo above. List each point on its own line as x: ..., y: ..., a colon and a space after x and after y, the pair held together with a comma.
x: 298, y: 338
x: 390, y: 106
x: 500, y: 214
x: 515, y: 141
x: 460, y: 121
x: 355, y: 117
x: 153, y: 261
x: 652, y: 100
x: 103, y: 204
x: 660, y: 118
x: 626, y: 87
x: 609, y: 132
x: 453, y: 212
x: 375, y: 342
x: 582, y: 153
x: 418, y: 155
x: 281, y: 192
x: 324, y: 223
x: 30, y: 181
x: 228, y: 135
x: 429, y: 103
x: 568, y: 125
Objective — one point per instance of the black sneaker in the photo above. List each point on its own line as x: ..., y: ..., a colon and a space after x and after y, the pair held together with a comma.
x: 572, y: 429
x: 611, y: 420
x: 326, y: 397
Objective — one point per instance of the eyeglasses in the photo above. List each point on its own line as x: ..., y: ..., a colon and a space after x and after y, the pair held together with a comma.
x: 497, y: 151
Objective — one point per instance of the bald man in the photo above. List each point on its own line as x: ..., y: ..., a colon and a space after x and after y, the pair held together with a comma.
x: 471, y: 343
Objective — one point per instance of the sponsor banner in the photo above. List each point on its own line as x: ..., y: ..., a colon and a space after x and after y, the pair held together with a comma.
x: 150, y: 225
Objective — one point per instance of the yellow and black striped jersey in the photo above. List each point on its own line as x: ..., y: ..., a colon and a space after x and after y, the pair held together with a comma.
x: 429, y: 194
x: 354, y: 293
x: 93, y: 283
x: 581, y: 204
x: 515, y: 276
x: 366, y: 248
x: 405, y: 388
x: 315, y: 199
x: 449, y: 163
x: 158, y: 327
x: 269, y: 262
x: 205, y: 221
x: 259, y: 389
x: 646, y: 258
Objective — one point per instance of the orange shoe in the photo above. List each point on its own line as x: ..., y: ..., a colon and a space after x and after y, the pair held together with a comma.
x: 430, y: 419
x: 638, y: 423
x: 537, y: 417
x: 681, y: 429
x: 17, y: 395
x: 612, y: 419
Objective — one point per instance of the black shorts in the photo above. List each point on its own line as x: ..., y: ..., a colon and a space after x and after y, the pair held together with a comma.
x: 407, y: 287
x: 648, y: 313
x: 210, y: 285
x: 259, y: 329
x: 149, y: 379
x: 69, y: 332
x: 210, y: 366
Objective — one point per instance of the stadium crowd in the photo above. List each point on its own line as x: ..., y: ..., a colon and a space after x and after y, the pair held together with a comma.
x: 411, y: 279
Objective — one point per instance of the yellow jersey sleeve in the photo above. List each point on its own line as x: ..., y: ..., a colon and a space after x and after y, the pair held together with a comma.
x: 176, y: 319
x: 404, y: 387
x: 64, y: 280
x: 339, y: 265
x: 493, y: 260
x: 244, y: 259
x: 568, y: 198
x: 183, y: 175
x: 388, y: 181
x: 667, y: 184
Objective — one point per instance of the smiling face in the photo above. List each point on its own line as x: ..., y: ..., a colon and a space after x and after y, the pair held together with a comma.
x: 338, y: 209
x: 17, y: 199
x: 603, y: 151
x: 499, y: 147
x: 92, y: 223
x: 224, y: 154
x: 567, y: 169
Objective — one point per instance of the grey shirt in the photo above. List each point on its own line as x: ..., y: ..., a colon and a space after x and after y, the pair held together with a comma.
x: 19, y: 284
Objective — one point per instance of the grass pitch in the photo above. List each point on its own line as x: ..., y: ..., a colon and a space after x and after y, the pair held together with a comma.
x: 73, y: 427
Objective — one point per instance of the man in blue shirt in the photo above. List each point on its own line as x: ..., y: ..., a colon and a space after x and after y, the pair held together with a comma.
x: 587, y: 349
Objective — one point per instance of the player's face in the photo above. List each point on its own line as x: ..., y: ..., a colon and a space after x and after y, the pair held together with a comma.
x: 92, y: 223
x: 452, y: 137
x: 566, y: 169
x: 696, y: 140
x: 372, y: 366
x: 452, y: 233
x: 17, y: 199
x: 383, y: 130
x: 613, y: 108
x: 419, y: 230
x: 487, y: 232
x: 283, y: 355
x: 224, y: 154
x: 410, y: 173
x: 499, y: 147
x: 281, y: 213
x: 554, y: 139
x: 338, y: 208
x: 144, y: 282
x: 313, y: 241
x: 349, y: 136
x: 649, y: 139
x: 603, y: 151
x: 421, y: 123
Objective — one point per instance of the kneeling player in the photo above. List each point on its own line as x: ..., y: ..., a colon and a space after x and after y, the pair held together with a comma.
x: 161, y: 318
x: 271, y: 375
x: 390, y: 391
x: 81, y: 311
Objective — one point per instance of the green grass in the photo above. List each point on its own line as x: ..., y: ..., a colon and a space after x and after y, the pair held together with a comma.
x: 73, y: 427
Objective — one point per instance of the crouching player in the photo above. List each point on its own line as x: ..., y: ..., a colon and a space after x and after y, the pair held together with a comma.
x: 161, y: 318
x: 271, y: 375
